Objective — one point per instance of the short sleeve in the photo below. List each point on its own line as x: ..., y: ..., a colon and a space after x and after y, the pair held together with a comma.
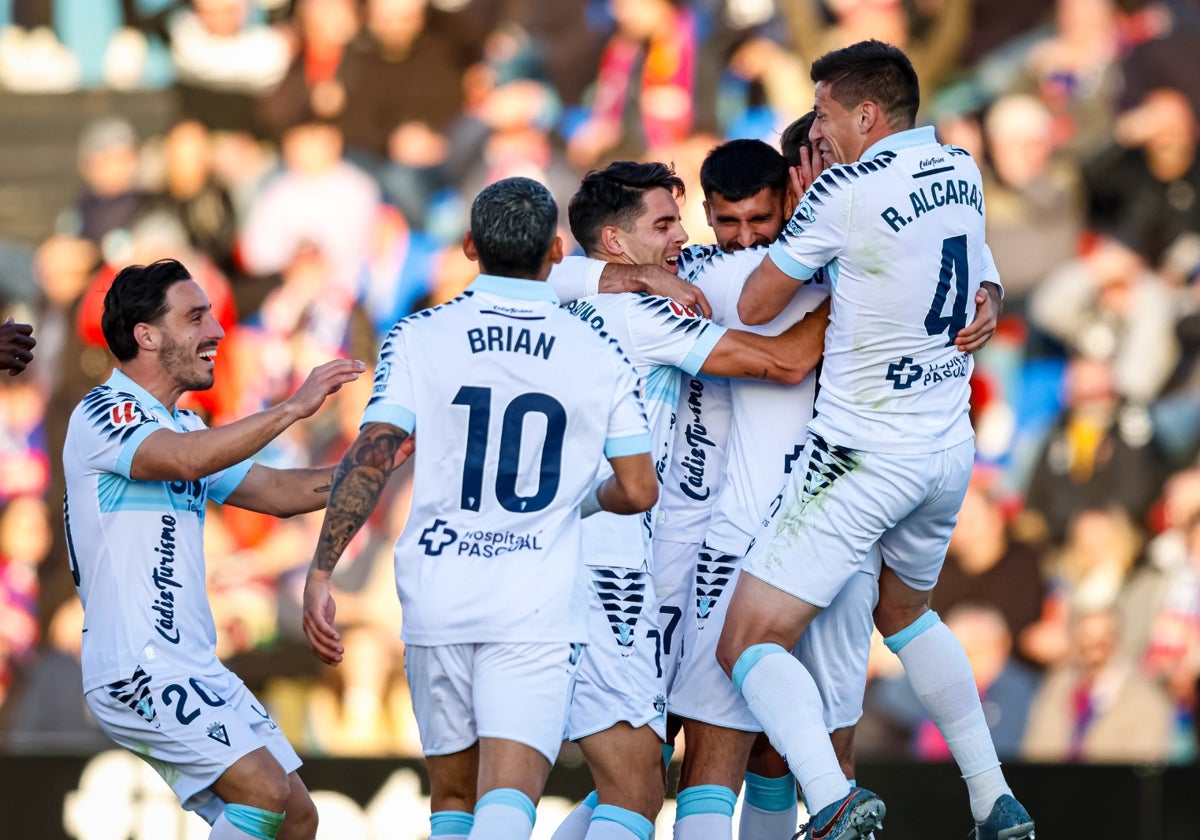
x: 819, y: 229
x: 628, y: 427
x: 393, y: 398
x: 223, y: 483
x: 988, y: 273
x: 721, y: 278
x: 112, y: 426
x: 664, y: 333
x: 575, y: 278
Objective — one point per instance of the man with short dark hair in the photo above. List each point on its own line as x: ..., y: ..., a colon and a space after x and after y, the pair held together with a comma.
x: 489, y: 569
x: 139, y: 474
x: 899, y: 221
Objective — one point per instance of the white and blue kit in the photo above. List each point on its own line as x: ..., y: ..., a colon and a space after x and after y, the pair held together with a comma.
x: 621, y: 678
x: 889, y: 451
x: 150, y: 671
x: 489, y: 567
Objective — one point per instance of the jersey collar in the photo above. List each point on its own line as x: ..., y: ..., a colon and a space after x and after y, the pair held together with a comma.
x: 922, y: 136
x: 119, y: 381
x: 512, y: 287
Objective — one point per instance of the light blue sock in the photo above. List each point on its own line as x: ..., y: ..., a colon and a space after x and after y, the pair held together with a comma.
x: 575, y: 826
x: 503, y: 814
x: 238, y: 821
x: 612, y: 823
x: 450, y: 825
x: 782, y: 695
x: 704, y: 812
x: 769, y: 809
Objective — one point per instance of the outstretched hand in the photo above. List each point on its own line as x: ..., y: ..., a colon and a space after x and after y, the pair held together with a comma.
x: 16, y: 346
x: 324, y: 380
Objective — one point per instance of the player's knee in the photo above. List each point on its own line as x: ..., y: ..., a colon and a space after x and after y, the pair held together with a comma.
x: 301, y: 820
x: 728, y: 651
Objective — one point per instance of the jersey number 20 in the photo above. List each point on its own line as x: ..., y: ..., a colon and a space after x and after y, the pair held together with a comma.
x: 954, y: 268
x: 479, y: 401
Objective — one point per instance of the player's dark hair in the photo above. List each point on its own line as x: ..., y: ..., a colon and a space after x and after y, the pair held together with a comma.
x: 795, y: 138
x: 138, y: 295
x: 874, y: 71
x: 739, y: 169
x: 615, y: 195
x: 513, y: 223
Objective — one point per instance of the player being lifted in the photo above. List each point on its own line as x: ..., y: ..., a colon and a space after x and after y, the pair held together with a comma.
x: 488, y: 568
x: 900, y: 225
x: 139, y: 474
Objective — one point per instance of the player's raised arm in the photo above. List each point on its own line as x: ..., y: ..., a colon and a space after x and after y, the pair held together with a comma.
x: 766, y: 293
x: 361, y: 475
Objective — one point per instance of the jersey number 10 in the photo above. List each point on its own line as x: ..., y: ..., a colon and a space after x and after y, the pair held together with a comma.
x: 479, y: 401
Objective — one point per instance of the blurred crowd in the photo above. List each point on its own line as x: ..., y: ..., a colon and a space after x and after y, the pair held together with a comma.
x: 315, y: 179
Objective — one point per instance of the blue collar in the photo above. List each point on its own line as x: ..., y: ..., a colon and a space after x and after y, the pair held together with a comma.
x: 512, y: 287
x: 922, y: 136
x: 120, y: 381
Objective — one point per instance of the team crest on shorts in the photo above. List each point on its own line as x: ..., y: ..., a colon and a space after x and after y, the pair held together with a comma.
x: 217, y: 732
x: 660, y: 703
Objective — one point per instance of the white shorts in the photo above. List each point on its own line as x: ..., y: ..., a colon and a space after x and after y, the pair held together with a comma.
x: 674, y: 582
x: 834, y: 649
x: 189, y: 728
x: 620, y: 677
x: 517, y: 691
x: 846, y: 502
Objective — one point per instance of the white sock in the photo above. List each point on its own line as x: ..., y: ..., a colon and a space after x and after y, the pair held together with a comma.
x: 223, y: 829
x: 940, y: 674
x: 704, y: 812
x: 782, y: 695
x: 237, y: 822
x: 769, y: 809
x: 450, y: 825
x: 575, y: 826
x: 503, y: 814
x: 612, y: 823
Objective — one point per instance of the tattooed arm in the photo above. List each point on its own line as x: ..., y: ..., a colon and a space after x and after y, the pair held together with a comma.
x: 376, y: 453
x: 784, y: 359
x: 282, y: 492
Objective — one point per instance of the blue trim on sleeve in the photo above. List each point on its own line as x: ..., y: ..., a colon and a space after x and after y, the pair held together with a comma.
x: 788, y: 264
x: 704, y: 345
x: 592, y: 800
x: 254, y: 821
x: 125, y: 459
x: 636, y: 824
x: 219, y: 491
x: 514, y: 288
x: 508, y: 798
x: 450, y: 822
x: 631, y: 445
x: 704, y: 799
x: 771, y: 794
x: 751, y: 657
x: 897, y: 641
x: 393, y: 415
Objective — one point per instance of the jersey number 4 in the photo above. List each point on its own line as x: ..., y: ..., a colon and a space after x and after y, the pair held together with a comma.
x: 954, y: 270
x: 479, y: 401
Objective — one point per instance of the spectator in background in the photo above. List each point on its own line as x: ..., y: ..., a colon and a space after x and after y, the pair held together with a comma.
x: 24, y: 541
x: 1108, y: 304
x: 112, y: 196
x: 643, y: 96
x: 224, y: 61
x: 1034, y: 197
x: 16, y: 346
x: 1096, y: 706
x: 987, y: 564
x: 317, y: 198
x: 323, y: 28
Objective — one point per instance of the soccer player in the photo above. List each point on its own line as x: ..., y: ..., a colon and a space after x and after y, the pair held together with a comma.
x: 16, y: 346
x: 488, y: 568
x: 627, y: 214
x: 139, y: 473
x: 899, y: 222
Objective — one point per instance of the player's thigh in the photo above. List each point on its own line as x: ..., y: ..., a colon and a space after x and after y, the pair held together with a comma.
x: 836, y: 646
x: 620, y: 675
x: 627, y: 767
x: 193, y: 729
x: 301, y: 820
x: 915, y: 547
x: 505, y: 763
x: 453, y: 779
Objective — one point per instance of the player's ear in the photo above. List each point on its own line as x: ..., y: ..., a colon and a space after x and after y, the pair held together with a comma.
x: 468, y: 246
x: 555, y: 254
x: 146, y: 336
x: 611, y: 240
x: 868, y: 115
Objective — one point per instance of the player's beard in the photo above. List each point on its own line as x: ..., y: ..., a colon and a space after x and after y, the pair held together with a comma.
x: 183, y: 366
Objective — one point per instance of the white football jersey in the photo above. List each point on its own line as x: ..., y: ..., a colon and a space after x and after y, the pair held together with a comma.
x: 137, y: 547
x: 901, y: 236
x: 769, y: 420
x: 516, y: 403
x: 659, y: 338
